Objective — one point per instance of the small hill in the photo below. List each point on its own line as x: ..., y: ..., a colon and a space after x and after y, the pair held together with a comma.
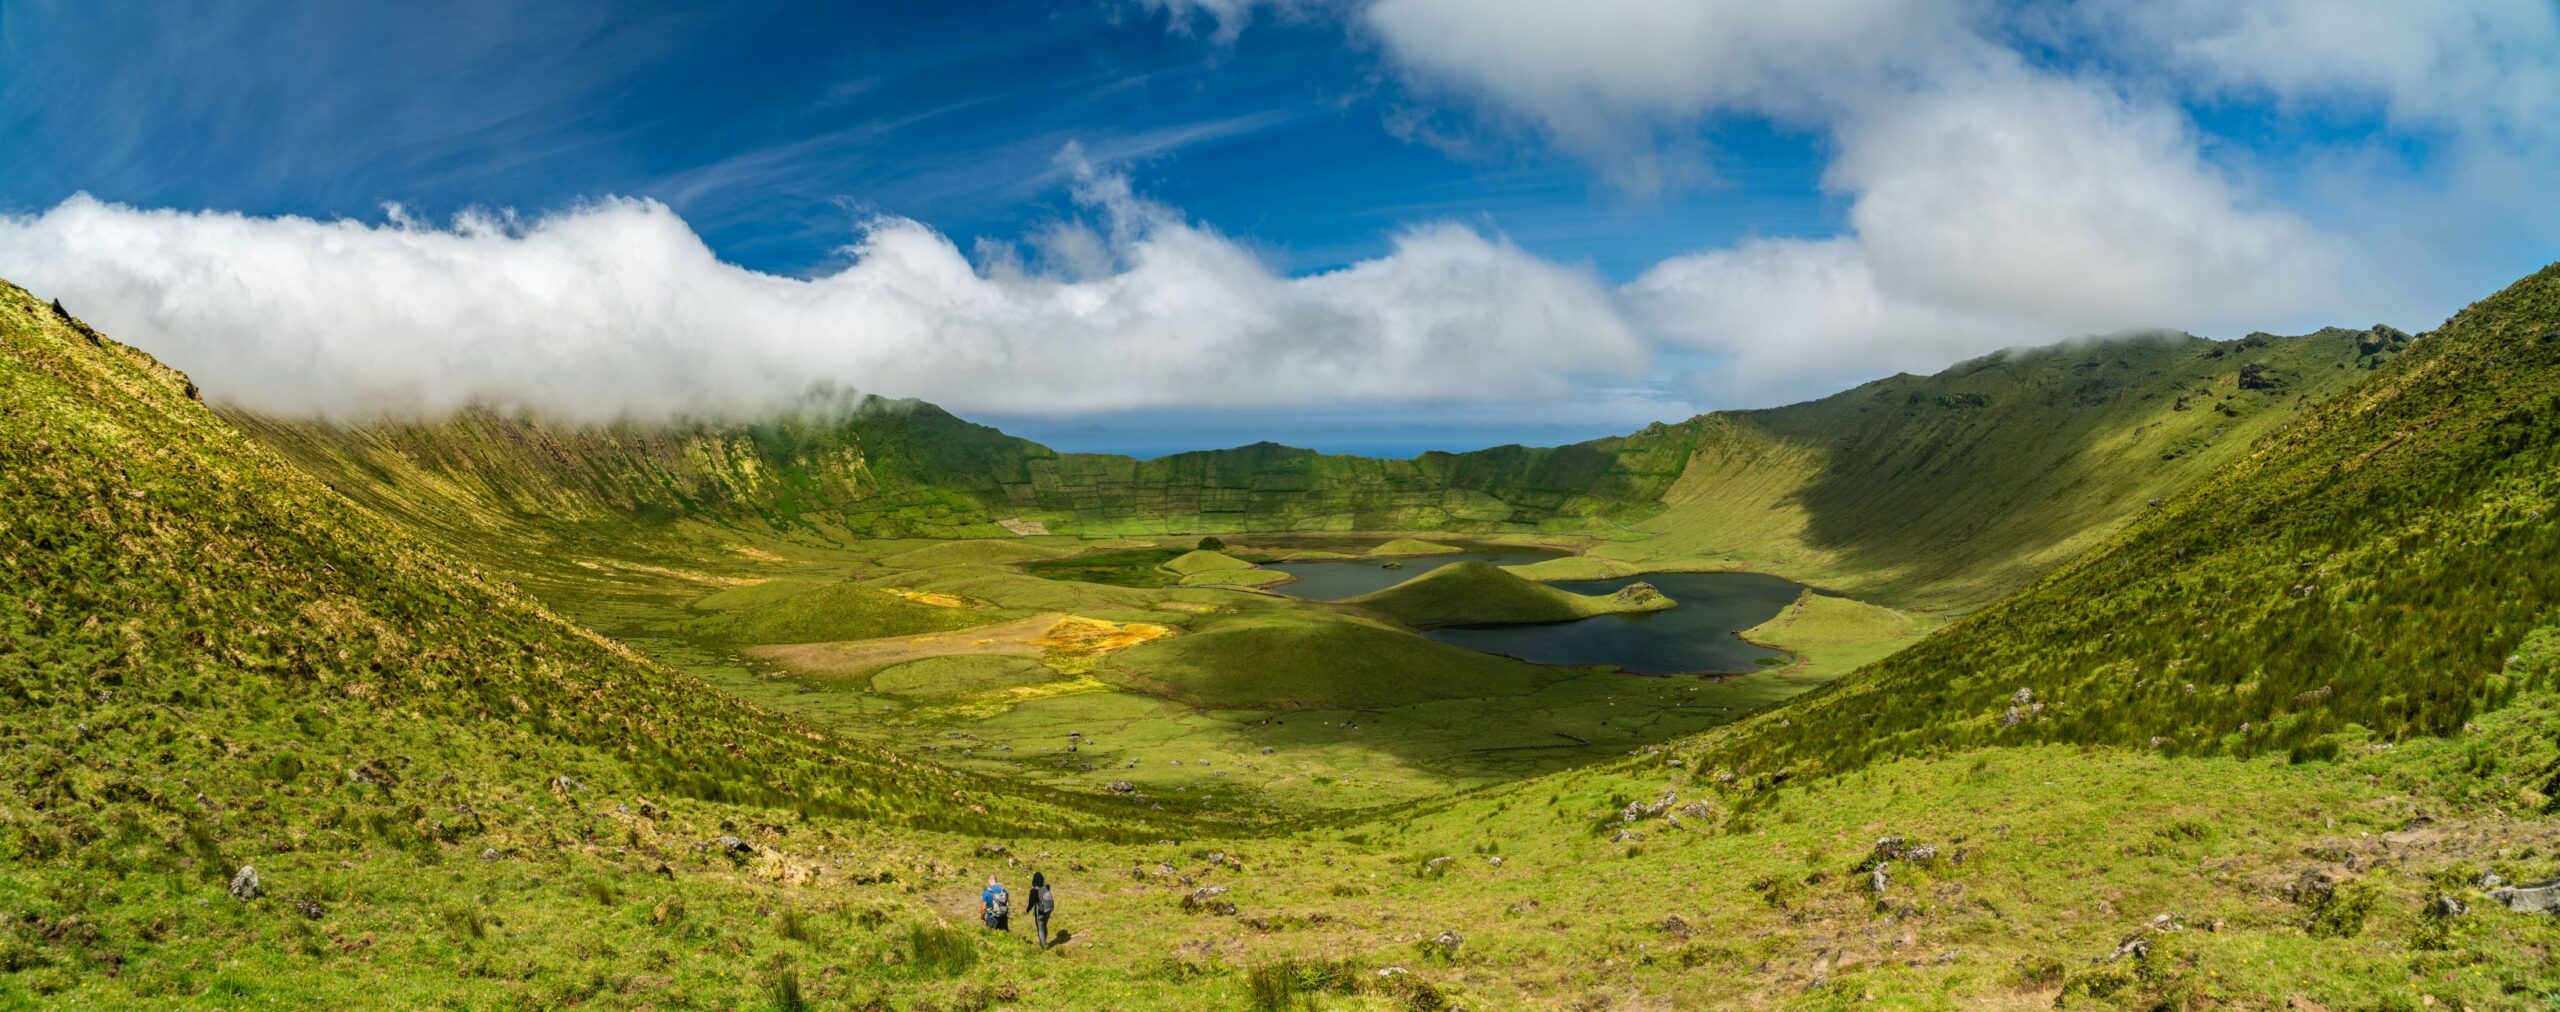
x: 1195, y: 563
x: 1475, y: 593
x: 1238, y: 578
x: 1410, y: 547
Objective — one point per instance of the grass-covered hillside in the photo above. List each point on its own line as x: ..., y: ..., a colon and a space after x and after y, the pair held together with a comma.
x: 170, y: 574
x: 1946, y: 491
x: 1935, y: 492
x: 1473, y: 593
x: 2360, y: 578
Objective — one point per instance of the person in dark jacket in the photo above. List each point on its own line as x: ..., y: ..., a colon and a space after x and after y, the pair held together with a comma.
x: 1042, y: 903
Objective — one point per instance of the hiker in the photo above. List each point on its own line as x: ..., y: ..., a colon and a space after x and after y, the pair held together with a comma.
x: 995, y: 906
x: 1042, y: 903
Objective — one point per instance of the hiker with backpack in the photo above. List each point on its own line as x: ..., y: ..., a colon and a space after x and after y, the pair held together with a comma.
x: 995, y: 906
x: 1042, y: 904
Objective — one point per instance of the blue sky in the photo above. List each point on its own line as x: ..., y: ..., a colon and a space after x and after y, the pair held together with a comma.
x: 1644, y: 208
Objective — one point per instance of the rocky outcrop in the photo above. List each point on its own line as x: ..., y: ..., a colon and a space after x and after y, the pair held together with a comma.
x: 2532, y: 899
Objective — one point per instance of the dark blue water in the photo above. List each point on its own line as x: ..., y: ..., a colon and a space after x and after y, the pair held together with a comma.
x: 1695, y: 637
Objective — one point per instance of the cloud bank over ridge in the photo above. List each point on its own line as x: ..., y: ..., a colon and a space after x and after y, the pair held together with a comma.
x: 617, y: 309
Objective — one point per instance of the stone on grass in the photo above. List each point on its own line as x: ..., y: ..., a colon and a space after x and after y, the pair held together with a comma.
x: 244, y: 884
x: 2532, y: 899
x: 1209, y: 899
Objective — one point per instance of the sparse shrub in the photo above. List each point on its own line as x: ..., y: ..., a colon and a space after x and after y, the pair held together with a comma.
x: 2099, y: 982
x: 789, y: 924
x: 1212, y: 544
x: 2340, y: 912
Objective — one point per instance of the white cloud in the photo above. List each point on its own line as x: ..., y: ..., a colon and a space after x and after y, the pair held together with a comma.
x: 2477, y: 66
x: 618, y: 309
x: 1990, y: 201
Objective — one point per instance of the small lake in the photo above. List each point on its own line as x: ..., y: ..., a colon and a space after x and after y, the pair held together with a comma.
x: 1335, y: 579
x: 1697, y: 636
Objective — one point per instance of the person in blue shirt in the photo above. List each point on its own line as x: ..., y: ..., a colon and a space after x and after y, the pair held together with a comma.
x: 995, y: 906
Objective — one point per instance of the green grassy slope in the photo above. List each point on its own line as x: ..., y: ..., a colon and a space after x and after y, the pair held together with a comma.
x: 1945, y: 491
x: 174, y: 580
x: 2360, y: 576
x: 800, y: 612
x: 1474, y: 593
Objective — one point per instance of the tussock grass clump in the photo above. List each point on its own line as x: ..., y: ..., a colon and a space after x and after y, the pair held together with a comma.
x: 937, y: 950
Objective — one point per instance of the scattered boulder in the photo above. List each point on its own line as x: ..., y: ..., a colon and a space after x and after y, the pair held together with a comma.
x: 1637, y: 810
x: 489, y: 853
x: 1446, y: 943
x: 1675, y: 926
x: 1880, y: 879
x: 1266, y: 750
x: 2449, y: 906
x: 2489, y: 881
x: 244, y: 884
x: 733, y: 845
x: 1436, y: 866
x: 2138, y: 944
x: 2533, y: 899
x: 565, y: 784
x: 1209, y: 899
x: 1122, y: 787
x: 2023, y: 696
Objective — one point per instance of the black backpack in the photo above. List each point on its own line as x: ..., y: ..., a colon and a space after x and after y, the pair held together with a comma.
x: 1041, y: 903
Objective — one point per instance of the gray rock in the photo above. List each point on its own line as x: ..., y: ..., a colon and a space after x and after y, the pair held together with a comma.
x: 566, y: 784
x: 1123, y: 787
x: 733, y: 845
x: 244, y: 884
x: 2023, y: 696
x: 1209, y: 899
x: 489, y: 853
x: 1636, y: 810
x: 1879, y: 879
x: 2449, y: 906
x: 2532, y: 899
x: 2489, y: 880
x: 1447, y: 943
